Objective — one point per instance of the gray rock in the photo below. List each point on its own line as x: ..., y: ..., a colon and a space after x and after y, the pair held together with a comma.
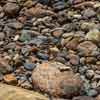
x: 88, y: 13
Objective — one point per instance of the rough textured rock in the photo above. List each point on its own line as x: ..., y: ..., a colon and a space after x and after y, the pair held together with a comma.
x: 15, y: 93
x: 56, y: 79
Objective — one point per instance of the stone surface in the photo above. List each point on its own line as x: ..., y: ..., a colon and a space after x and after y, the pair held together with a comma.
x: 56, y: 79
x: 11, y: 9
x: 15, y: 93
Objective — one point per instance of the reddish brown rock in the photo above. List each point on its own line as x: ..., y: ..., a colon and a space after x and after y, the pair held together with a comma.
x: 9, y: 92
x: 87, y: 48
x: 98, y: 97
x: 56, y: 79
x: 39, y: 12
x: 11, y: 9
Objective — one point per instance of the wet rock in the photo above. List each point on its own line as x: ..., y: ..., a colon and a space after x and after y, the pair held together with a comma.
x: 83, y: 98
x: 11, y: 9
x: 12, y: 92
x: 56, y: 79
x: 87, y: 48
x: 10, y: 79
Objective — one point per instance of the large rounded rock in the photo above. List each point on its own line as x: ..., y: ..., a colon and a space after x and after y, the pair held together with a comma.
x: 56, y: 79
x: 11, y: 9
x: 83, y: 98
x: 14, y: 93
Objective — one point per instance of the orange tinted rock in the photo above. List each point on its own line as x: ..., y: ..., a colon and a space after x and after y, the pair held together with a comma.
x: 10, y: 79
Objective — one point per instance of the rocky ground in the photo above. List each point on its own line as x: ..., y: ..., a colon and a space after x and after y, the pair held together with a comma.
x: 52, y: 47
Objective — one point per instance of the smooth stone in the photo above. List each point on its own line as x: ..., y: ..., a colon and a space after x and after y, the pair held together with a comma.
x: 29, y: 66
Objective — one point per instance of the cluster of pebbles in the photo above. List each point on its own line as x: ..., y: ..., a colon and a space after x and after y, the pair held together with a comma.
x: 51, y: 46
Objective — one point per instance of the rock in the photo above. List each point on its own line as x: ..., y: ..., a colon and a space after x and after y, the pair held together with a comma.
x: 98, y: 97
x: 83, y: 98
x: 26, y: 85
x: 24, y: 36
x: 29, y: 66
x: 88, y: 13
x: 73, y: 59
x: 2, y: 35
x: 39, y: 12
x: 11, y: 92
x: 72, y: 44
x: 86, y: 26
x: 87, y: 48
x: 4, y: 66
x: 56, y: 79
x: 92, y: 92
x: 28, y: 3
x: 15, y: 25
x: 93, y: 35
x: 58, y: 5
x: 11, y: 9
x: 42, y: 56
x: 10, y: 79
x: 90, y: 74
x: 57, y: 33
